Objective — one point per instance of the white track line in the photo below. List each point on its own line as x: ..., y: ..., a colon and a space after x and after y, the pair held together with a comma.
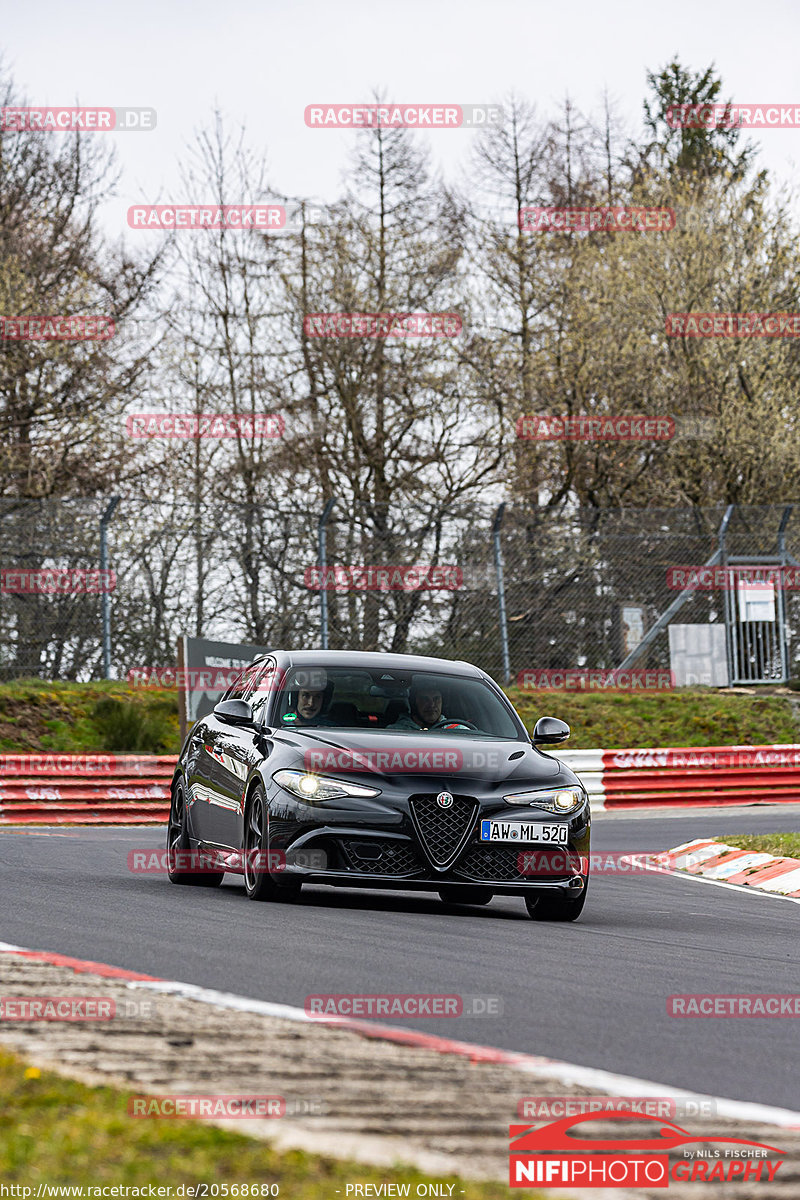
x: 741, y: 888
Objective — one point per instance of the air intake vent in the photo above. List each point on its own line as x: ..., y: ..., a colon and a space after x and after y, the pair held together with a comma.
x: 381, y: 858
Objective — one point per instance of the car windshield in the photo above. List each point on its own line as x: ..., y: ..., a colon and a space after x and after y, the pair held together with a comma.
x: 396, y: 701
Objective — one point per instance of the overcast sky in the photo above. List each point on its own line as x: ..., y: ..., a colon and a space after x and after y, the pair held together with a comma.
x: 263, y: 61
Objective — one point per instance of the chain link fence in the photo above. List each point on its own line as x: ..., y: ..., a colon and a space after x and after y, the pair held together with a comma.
x: 590, y: 589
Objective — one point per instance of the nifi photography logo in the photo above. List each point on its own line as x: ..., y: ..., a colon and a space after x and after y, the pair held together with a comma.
x: 563, y: 1153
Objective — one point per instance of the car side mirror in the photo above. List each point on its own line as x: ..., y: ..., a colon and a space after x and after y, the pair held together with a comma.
x: 549, y: 731
x: 234, y: 712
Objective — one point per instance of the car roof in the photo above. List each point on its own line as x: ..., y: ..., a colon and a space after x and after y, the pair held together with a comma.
x: 376, y: 660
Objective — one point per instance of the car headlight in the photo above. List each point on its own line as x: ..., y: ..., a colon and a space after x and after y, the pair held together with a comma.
x: 311, y: 788
x: 555, y: 800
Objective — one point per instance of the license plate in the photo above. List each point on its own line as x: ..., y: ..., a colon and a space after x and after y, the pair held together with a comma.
x: 523, y: 832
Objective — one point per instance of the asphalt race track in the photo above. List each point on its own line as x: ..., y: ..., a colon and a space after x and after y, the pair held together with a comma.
x: 593, y: 993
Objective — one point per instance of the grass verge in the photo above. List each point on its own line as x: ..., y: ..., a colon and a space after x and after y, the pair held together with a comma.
x: 80, y: 718
x: 690, y: 717
x: 784, y: 845
x: 58, y: 1131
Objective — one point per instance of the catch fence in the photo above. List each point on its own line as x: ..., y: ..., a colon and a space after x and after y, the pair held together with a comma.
x: 512, y: 590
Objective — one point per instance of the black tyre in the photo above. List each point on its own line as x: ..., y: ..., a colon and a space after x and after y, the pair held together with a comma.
x: 556, y: 906
x: 259, y: 884
x: 453, y: 894
x: 179, y: 844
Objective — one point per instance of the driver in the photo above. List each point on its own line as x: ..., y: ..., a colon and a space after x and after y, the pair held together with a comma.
x: 425, y: 702
x: 309, y: 705
x: 311, y: 696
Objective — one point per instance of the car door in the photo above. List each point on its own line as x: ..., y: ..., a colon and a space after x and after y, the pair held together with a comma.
x: 232, y: 752
x: 198, y: 767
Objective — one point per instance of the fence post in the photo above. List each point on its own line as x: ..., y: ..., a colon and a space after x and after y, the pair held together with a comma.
x: 322, y: 555
x: 728, y: 609
x: 501, y: 594
x: 105, y: 601
x: 787, y: 512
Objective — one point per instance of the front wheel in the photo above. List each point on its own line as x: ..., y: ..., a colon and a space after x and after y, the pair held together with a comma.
x: 179, y: 850
x: 259, y: 884
x: 454, y: 894
x: 555, y: 906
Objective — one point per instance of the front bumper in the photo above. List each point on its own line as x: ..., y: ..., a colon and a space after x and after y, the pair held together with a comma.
x: 405, y: 839
x: 356, y: 857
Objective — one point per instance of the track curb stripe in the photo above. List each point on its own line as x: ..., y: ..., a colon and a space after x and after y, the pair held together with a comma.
x: 82, y: 966
x: 530, y: 1064
x: 763, y: 876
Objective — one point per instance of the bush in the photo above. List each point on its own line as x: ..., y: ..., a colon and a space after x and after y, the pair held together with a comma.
x: 124, y: 725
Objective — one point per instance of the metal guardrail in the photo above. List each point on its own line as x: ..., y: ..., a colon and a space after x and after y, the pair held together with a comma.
x: 698, y: 776
x: 134, y: 789
x: 84, y: 789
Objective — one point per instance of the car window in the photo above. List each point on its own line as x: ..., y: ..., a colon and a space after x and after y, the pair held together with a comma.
x: 234, y: 692
x: 262, y: 688
x: 244, y: 685
x: 379, y: 699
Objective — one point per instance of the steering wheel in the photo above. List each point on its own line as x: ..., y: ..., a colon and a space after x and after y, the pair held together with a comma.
x: 459, y: 725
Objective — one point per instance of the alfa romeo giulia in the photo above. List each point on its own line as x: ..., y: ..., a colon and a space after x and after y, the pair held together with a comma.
x: 378, y: 771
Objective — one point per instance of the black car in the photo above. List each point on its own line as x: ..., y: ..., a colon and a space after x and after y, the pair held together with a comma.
x: 378, y: 771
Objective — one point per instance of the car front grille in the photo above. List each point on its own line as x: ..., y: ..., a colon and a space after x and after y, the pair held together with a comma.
x: 499, y: 864
x: 395, y: 858
x: 442, y: 831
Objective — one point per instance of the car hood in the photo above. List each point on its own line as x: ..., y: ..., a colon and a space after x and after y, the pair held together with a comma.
x: 411, y: 758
